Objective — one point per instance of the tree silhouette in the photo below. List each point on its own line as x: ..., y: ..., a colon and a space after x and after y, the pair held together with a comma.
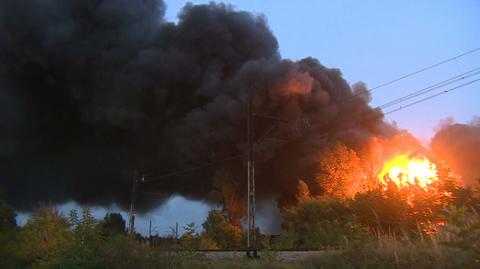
x: 303, y: 192
x: 113, y: 224
x: 7, y: 215
x: 219, y: 230
x: 340, y: 173
x: 225, y: 191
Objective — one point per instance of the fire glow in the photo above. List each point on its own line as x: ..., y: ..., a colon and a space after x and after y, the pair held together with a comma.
x: 406, y: 172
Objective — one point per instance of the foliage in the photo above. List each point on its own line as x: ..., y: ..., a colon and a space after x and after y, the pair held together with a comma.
x: 225, y: 191
x: 377, y: 211
x: 124, y: 252
x: 8, y: 227
x: 112, y: 224
x: 50, y: 240
x: 404, y: 210
x: 190, y: 240
x: 320, y: 223
x: 77, y: 242
x: 221, y: 232
x: 86, y: 250
x: 462, y: 231
x: 303, y: 192
x: 341, y: 173
x: 287, y: 240
x: 43, y: 239
x: 7, y: 215
x: 468, y: 197
x: 395, y: 255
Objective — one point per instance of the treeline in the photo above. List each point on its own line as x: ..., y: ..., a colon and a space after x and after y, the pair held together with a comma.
x: 78, y: 240
x: 443, y: 224
x: 321, y: 222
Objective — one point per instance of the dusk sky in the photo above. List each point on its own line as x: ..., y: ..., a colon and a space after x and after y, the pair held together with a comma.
x: 370, y: 41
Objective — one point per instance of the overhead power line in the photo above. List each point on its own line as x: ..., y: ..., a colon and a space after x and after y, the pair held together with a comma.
x: 415, y: 73
x: 381, y: 115
x: 213, y: 163
x: 433, y: 87
x: 425, y: 69
x: 432, y: 96
x: 417, y: 93
x: 216, y: 162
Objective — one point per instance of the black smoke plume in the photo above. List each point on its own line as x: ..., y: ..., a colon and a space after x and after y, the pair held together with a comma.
x: 92, y: 90
x: 459, y: 146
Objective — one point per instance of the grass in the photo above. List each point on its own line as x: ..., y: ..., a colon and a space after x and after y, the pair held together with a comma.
x: 382, y: 251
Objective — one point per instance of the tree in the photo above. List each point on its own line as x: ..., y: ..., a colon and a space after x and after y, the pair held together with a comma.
x: 113, y: 224
x: 371, y: 162
x: 86, y: 250
x: 225, y: 191
x: 318, y: 223
x: 190, y: 239
x: 303, y: 192
x: 462, y: 231
x: 86, y: 230
x: 8, y: 234
x: 340, y: 173
x: 219, y: 230
x: 44, y: 238
x: 382, y: 211
x: 7, y: 215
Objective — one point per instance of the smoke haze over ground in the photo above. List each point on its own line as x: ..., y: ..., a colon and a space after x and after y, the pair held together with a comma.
x: 92, y: 90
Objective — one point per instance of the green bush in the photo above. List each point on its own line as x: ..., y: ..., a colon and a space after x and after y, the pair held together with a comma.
x: 462, y: 232
x: 221, y: 232
x: 320, y: 223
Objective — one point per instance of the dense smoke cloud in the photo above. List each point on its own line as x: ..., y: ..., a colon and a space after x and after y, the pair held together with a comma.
x: 91, y: 90
x: 459, y: 146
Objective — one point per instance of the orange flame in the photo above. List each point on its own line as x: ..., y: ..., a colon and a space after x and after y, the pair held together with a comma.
x: 405, y: 172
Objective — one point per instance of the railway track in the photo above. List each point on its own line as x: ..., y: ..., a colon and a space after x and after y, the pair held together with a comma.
x: 290, y: 255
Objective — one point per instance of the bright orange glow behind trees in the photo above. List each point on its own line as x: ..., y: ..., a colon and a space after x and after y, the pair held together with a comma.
x: 405, y: 172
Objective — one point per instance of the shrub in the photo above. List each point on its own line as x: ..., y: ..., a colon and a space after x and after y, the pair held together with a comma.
x: 320, y: 223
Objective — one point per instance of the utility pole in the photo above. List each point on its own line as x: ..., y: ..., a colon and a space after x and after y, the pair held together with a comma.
x: 176, y: 231
x: 251, y: 235
x: 252, y: 246
x: 150, y: 229
x: 131, y: 222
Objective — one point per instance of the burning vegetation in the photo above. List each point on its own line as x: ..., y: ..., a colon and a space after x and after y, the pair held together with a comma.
x: 407, y: 172
x: 380, y: 164
x: 378, y: 187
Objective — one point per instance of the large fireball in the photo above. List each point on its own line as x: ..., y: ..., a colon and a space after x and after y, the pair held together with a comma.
x: 405, y: 171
